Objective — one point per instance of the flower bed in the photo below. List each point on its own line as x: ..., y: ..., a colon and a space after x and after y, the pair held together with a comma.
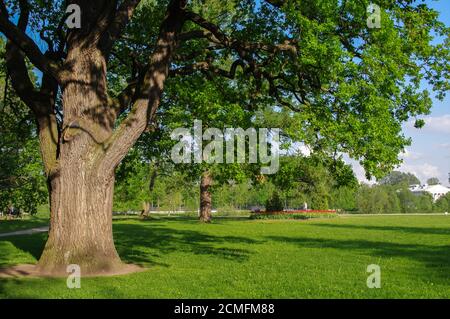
x: 295, y: 214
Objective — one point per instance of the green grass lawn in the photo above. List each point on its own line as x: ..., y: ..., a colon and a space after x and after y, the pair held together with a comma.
x: 240, y: 258
x: 7, y: 226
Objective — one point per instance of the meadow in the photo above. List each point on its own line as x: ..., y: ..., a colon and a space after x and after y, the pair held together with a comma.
x: 240, y: 258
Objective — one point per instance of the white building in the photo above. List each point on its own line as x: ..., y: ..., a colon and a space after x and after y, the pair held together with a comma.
x: 436, y: 191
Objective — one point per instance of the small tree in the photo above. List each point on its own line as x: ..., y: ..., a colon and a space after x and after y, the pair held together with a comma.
x: 433, y: 181
x: 397, y: 178
x: 274, y: 203
x: 442, y: 205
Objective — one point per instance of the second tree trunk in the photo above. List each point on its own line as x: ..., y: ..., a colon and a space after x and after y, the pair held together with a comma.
x: 205, y: 197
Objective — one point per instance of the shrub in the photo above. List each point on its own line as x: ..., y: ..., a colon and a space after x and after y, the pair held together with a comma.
x: 274, y: 203
x: 294, y: 215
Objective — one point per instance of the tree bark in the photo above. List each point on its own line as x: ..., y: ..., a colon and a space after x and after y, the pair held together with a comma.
x: 145, y: 213
x: 81, y: 223
x: 205, y: 197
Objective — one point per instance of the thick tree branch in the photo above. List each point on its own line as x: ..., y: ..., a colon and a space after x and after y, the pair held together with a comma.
x: 276, y: 3
x: 40, y: 102
x: 211, y: 27
x: 146, y: 104
x: 119, y: 21
x: 198, y: 34
x: 15, y: 63
x: 246, y: 51
x: 123, y: 101
x: 208, y: 68
x: 26, y: 44
x: 218, y: 36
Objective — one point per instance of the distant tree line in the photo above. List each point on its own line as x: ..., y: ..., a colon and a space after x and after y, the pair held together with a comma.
x: 322, y: 184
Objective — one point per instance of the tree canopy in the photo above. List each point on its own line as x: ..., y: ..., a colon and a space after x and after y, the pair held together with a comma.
x: 398, y: 178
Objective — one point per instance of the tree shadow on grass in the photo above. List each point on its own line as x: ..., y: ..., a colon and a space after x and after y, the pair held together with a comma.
x: 435, y: 258
x: 7, y: 226
x: 32, y: 244
x: 142, y: 243
x: 400, y: 229
x: 14, y: 250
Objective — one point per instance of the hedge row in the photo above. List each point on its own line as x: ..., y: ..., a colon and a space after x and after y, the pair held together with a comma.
x: 293, y: 215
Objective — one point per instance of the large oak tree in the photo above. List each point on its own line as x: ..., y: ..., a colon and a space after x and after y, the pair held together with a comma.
x: 349, y: 87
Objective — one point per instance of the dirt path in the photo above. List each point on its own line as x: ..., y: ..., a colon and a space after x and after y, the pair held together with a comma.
x: 30, y: 231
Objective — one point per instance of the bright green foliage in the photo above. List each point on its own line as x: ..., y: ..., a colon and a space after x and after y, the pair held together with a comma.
x: 22, y: 182
x: 311, y: 180
x: 346, y: 88
x: 299, y: 180
x: 443, y: 204
x: 414, y: 203
x: 392, y: 199
x: 245, y: 195
x: 377, y: 200
x: 341, y: 88
x: 167, y: 190
x: 215, y: 103
x: 344, y: 198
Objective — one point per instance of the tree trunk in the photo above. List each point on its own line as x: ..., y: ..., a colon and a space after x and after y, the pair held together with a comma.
x: 81, y: 224
x: 81, y: 191
x: 145, y: 213
x: 205, y: 198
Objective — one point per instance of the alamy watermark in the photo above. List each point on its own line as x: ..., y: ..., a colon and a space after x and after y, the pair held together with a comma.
x: 374, y: 19
x: 73, y: 20
x: 228, y: 146
x: 374, y: 279
x: 74, y: 279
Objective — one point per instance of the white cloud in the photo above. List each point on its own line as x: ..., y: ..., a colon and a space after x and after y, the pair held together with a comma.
x: 422, y: 171
x: 358, y: 170
x: 298, y: 148
x: 360, y: 174
x: 436, y: 124
x: 410, y: 155
x: 305, y: 150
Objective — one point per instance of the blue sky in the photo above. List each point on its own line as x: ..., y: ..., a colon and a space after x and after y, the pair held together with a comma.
x: 429, y: 154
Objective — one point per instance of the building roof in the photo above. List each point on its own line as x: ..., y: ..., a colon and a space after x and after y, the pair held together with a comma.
x: 437, y: 189
x: 433, y: 189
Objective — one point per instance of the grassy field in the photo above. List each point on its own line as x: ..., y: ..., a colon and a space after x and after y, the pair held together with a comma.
x: 7, y: 226
x: 240, y: 258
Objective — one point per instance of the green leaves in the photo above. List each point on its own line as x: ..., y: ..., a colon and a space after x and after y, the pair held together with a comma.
x: 22, y: 181
x: 353, y: 86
